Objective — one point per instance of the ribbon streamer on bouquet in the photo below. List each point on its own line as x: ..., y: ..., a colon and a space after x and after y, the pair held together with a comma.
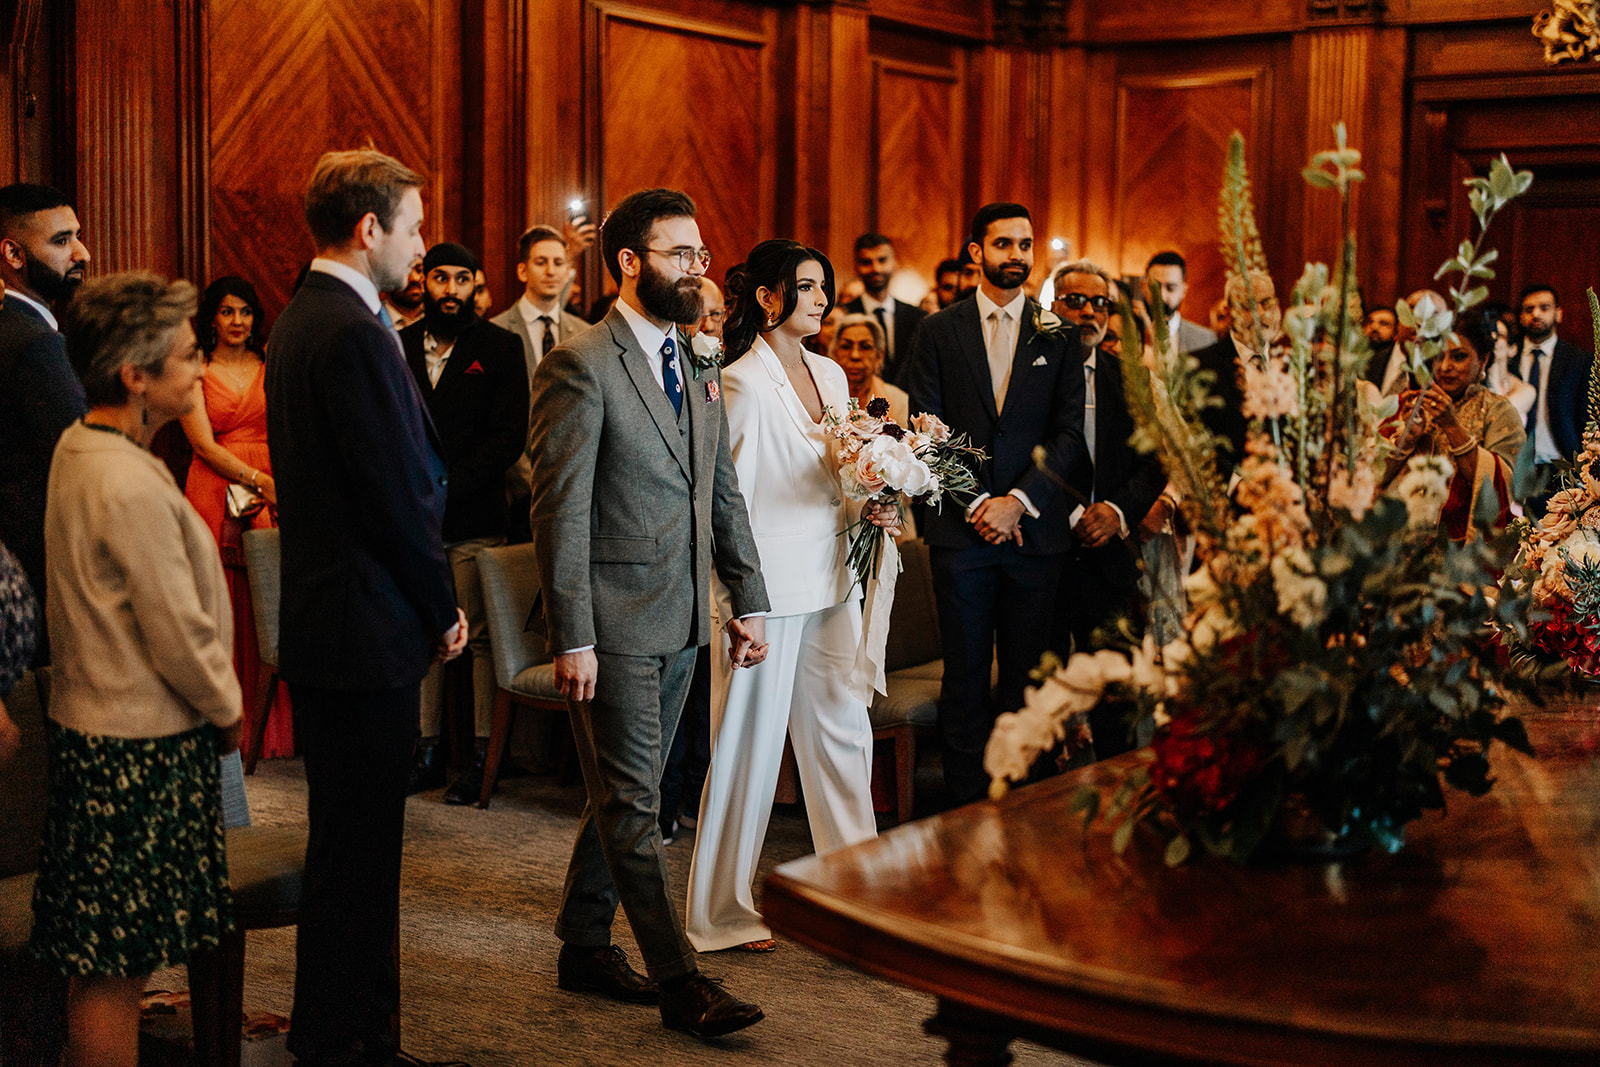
x: 868, y: 674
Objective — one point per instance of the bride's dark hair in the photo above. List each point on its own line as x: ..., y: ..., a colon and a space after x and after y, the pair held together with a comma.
x: 771, y: 265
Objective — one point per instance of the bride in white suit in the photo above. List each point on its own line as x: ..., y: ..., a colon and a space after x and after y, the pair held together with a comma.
x: 775, y: 394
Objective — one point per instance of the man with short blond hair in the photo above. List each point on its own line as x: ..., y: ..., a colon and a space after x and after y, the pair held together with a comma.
x: 367, y: 601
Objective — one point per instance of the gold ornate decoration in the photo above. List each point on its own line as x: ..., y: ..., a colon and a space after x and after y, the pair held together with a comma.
x: 1570, y: 31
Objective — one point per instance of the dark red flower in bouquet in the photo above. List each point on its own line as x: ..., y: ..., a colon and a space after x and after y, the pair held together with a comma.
x: 877, y: 407
x: 1201, y: 770
x: 1568, y: 639
x: 894, y: 430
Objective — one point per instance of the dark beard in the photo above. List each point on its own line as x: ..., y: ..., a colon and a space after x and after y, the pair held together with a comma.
x: 50, y: 286
x: 1005, y: 276
x: 681, y: 301
x: 443, y: 324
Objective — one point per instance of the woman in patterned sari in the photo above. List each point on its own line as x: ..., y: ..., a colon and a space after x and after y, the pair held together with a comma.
x: 1460, y: 418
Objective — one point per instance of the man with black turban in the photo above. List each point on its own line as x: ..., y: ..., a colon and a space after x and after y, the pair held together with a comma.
x: 475, y: 384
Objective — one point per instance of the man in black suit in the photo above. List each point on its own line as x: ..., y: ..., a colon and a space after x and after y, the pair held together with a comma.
x: 875, y: 266
x: 1116, y: 490
x: 42, y: 262
x: 474, y: 379
x: 366, y: 597
x: 1225, y: 359
x: 983, y: 366
x: 1559, y: 373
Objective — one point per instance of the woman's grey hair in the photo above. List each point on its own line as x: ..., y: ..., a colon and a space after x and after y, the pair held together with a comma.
x: 123, y: 319
x: 860, y: 319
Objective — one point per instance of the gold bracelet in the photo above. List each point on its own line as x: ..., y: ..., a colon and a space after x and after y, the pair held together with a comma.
x: 1464, y: 449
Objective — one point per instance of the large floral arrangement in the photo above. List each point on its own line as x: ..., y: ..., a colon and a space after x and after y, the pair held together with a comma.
x: 1559, y: 561
x: 1337, y: 659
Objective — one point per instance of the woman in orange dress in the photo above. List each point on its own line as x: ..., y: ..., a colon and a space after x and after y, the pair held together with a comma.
x: 229, y: 436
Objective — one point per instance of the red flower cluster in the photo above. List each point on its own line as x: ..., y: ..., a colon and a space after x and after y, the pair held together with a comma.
x: 1201, y: 771
x: 1561, y: 635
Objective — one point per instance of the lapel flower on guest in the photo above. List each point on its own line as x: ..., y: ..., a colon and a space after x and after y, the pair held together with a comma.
x: 705, y: 353
x: 1046, y: 323
x: 475, y: 368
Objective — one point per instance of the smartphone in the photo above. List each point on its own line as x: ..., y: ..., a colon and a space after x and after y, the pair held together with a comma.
x: 577, y: 213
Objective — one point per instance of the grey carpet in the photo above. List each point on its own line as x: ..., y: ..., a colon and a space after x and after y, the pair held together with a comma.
x: 478, y: 953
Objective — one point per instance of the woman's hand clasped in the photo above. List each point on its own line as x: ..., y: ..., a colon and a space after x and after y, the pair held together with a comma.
x: 884, y: 516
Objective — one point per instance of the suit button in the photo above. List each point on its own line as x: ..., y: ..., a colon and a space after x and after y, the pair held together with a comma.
x: 835, y: 501
x: 443, y: 480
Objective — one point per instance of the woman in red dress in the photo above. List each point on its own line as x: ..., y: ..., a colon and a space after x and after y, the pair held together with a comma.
x: 229, y: 436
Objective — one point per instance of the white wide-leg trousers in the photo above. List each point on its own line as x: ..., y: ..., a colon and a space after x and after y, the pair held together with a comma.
x: 800, y: 688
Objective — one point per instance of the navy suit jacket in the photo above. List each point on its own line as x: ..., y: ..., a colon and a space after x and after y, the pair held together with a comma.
x: 1122, y: 475
x: 361, y: 495
x: 41, y: 397
x: 1568, y: 402
x: 949, y: 377
x: 480, y: 408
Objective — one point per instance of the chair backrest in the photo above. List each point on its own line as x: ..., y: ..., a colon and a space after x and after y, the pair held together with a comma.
x: 914, y: 618
x: 25, y: 780
x: 265, y: 566
x: 510, y: 579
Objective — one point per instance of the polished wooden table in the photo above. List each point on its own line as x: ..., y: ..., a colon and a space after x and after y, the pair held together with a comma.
x: 1477, y: 944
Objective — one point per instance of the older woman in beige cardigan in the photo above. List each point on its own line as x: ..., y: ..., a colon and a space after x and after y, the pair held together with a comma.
x: 144, y: 699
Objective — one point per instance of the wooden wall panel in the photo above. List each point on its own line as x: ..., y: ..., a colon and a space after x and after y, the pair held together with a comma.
x: 688, y: 104
x: 917, y: 192
x: 290, y: 81
x: 1131, y: 21
x: 1170, y: 142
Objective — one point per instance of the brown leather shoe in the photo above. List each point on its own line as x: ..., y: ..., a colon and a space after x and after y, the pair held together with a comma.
x: 703, y: 1008
x: 604, y: 971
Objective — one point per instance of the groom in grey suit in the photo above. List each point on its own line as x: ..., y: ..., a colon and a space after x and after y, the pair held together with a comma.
x: 635, y: 501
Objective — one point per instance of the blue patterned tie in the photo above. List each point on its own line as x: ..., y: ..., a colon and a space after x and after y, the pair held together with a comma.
x: 383, y: 316
x: 669, y: 375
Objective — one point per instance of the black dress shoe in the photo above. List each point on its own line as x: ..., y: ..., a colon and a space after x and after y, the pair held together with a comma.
x: 703, y: 1008
x: 465, y: 790
x: 605, y: 971
x: 427, y: 769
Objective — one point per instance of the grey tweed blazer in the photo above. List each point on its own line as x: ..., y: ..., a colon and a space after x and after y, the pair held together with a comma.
x: 632, y: 508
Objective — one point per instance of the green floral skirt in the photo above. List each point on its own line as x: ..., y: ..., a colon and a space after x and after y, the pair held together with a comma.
x: 133, y: 876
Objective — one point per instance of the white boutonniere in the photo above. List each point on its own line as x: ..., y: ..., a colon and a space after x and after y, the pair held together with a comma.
x: 705, y: 354
x: 1046, y: 323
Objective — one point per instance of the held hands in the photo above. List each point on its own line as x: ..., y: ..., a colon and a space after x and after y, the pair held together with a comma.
x: 1155, y: 520
x: 449, y: 646
x: 576, y: 675
x: 749, y: 641
x: 231, y: 738
x: 1433, y: 408
x: 997, y: 518
x: 1098, y: 525
x: 884, y: 516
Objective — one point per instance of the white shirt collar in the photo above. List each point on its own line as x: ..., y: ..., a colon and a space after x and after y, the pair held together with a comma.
x: 1089, y: 360
x: 987, y: 307
x: 1174, y: 324
x: 871, y: 306
x: 351, y: 277
x: 531, y: 313
x: 649, y: 335
x: 40, y: 308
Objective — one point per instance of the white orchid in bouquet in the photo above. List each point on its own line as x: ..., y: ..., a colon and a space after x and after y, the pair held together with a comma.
x: 880, y: 460
x: 1337, y: 658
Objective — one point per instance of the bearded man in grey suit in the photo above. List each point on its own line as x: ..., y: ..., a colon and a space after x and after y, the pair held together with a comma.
x: 635, y: 502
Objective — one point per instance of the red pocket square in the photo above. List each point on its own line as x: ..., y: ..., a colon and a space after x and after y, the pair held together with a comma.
x: 476, y: 368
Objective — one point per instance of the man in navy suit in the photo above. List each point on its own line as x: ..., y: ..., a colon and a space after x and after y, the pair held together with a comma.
x: 1559, y: 373
x: 42, y: 262
x: 983, y: 366
x: 875, y: 265
x: 474, y: 378
x: 366, y: 594
x: 1118, y: 487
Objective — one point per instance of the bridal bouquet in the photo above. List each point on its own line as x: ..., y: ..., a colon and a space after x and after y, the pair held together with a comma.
x: 1559, y: 562
x: 1337, y: 667
x: 879, y: 460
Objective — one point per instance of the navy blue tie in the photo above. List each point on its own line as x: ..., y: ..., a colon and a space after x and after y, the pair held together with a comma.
x: 669, y: 375
x: 1533, y: 379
